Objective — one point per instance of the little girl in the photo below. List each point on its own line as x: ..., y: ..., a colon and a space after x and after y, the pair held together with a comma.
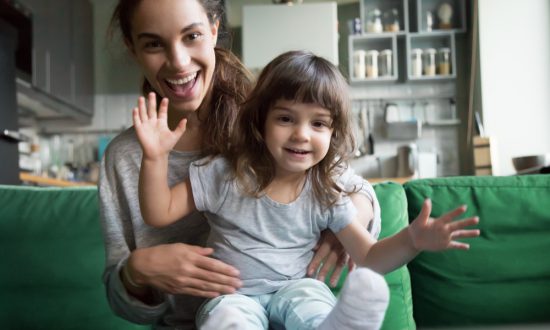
x: 269, y: 198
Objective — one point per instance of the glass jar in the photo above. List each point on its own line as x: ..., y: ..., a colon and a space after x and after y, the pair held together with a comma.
x: 444, y: 61
x: 374, y: 21
x: 416, y: 62
x: 385, y: 60
x: 429, y: 62
x: 372, y: 64
x: 391, y: 20
x: 359, y: 64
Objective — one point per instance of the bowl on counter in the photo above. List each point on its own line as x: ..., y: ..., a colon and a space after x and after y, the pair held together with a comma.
x: 530, y: 164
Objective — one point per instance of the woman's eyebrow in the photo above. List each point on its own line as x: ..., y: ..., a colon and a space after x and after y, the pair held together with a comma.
x: 156, y: 36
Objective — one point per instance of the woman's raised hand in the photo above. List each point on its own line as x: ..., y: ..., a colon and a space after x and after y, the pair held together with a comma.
x: 152, y: 129
x: 428, y: 234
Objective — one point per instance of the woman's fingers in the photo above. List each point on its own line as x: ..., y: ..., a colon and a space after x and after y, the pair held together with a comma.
x: 142, y: 109
x: 465, y: 233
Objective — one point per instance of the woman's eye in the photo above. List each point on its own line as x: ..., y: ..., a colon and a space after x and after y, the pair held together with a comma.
x: 194, y: 36
x: 153, y: 44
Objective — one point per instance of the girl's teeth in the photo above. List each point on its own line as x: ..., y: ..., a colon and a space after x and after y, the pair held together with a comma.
x: 182, y: 80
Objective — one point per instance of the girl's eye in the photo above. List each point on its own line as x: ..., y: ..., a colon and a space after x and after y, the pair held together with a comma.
x: 320, y: 124
x: 284, y: 119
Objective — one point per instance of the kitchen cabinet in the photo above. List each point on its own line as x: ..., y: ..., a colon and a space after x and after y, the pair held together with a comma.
x: 63, y: 56
x: 413, y: 31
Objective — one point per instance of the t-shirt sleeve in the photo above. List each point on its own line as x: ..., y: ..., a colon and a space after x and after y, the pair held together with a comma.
x: 341, y: 214
x: 210, y: 180
x: 353, y: 182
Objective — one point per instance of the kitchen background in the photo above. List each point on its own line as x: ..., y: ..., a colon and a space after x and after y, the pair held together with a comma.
x: 68, y: 90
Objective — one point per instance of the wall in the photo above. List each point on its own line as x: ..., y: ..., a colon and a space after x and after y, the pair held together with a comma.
x: 515, y: 77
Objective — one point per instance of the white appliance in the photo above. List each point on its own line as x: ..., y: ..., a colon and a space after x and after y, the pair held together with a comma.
x: 269, y: 30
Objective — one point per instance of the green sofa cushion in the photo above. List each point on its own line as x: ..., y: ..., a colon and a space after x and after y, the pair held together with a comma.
x: 505, y: 276
x: 53, y: 257
x: 394, y: 218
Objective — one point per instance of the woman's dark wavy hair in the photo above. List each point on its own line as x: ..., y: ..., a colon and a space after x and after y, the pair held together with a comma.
x: 231, y: 81
x: 302, y: 77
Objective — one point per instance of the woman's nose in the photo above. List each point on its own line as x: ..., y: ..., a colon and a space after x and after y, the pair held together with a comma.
x: 179, y: 57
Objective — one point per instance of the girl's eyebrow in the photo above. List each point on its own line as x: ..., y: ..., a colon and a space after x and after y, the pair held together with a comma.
x: 183, y: 31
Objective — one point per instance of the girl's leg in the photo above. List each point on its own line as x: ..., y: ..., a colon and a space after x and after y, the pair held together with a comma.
x: 232, y: 312
x: 362, y: 303
x: 301, y: 305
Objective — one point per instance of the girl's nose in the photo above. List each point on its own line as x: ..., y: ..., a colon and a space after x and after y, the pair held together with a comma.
x: 179, y: 58
x: 300, y: 133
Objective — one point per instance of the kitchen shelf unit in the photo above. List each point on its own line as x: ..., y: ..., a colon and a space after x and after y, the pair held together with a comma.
x: 435, y: 40
x: 419, y: 12
x: 378, y: 42
x: 412, y: 33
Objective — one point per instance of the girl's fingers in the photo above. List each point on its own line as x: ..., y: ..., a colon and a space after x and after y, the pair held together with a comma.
x: 459, y: 224
x: 163, y: 109
x: 449, y: 216
x: 180, y: 129
x: 152, y: 105
x: 142, y: 108
x: 425, y: 212
x: 135, y: 116
x: 458, y: 245
x: 465, y: 233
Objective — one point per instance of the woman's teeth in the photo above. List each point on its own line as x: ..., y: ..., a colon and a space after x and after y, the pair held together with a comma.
x: 182, y: 81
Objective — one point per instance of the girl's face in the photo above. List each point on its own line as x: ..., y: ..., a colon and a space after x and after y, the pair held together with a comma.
x: 297, y: 135
x: 173, y: 42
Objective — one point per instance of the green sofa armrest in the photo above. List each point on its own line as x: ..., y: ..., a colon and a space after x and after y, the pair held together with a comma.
x: 505, y: 276
x: 52, y: 260
x: 393, y: 203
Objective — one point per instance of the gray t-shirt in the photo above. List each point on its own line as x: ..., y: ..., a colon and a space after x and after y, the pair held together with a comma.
x: 270, y: 243
x: 125, y: 231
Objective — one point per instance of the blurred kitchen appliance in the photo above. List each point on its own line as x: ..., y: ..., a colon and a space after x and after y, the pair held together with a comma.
x: 269, y: 30
x: 9, y: 153
x: 407, y: 160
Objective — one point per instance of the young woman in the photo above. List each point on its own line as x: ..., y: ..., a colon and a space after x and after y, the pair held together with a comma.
x: 268, y: 199
x: 160, y: 276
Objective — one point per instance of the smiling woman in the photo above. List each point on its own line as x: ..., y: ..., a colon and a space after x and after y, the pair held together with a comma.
x: 149, y: 279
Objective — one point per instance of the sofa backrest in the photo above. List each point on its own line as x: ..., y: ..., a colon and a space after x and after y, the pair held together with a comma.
x: 52, y: 260
x: 505, y: 276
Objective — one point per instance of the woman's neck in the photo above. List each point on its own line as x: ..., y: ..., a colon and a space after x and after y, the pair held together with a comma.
x: 286, y: 188
x: 191, y: 139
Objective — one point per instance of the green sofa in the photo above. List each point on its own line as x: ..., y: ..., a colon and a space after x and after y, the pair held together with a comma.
x: 52, y: 257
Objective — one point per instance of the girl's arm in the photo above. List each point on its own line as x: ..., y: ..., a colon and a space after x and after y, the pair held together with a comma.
x: 160, y: 205
x: 423, y: 234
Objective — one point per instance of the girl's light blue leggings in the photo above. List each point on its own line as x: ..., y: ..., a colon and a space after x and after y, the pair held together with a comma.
x: 300, y: 305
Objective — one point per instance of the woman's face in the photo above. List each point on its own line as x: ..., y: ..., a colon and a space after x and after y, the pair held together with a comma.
x: 173, y: 42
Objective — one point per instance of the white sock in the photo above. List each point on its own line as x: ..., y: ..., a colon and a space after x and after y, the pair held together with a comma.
x: 362, y: 303
x: 224, y: 318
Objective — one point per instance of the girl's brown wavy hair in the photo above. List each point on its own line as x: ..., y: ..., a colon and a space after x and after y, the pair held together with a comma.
x: 231, y: 81
x: 301, y: 77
